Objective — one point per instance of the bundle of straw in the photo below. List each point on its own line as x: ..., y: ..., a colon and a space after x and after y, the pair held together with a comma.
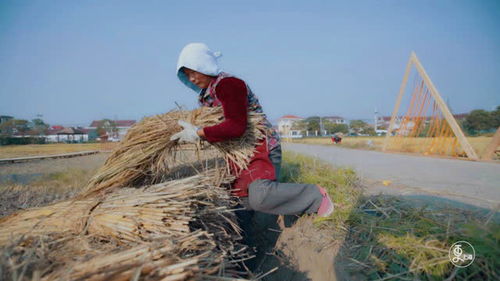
x: 161, y: 260
x: 165, y: 209
x: 146, y: 154
x: 163, y: 230
x: 176, y: 230
x: 66, y: 216
x: 145, y: 157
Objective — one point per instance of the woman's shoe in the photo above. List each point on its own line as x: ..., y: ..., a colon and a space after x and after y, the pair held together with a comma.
x: 326, y: 207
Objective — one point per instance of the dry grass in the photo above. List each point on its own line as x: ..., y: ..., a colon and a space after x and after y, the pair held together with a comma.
x: 390, y: 238
x: 167, y: 229
x: 12, y: 151
x: 48, y: 188
x: 36, y: 184
x: 178, y: 229
x: 376, y: 143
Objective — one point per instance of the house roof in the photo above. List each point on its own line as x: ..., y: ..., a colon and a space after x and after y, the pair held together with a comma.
x: 291, y: 117
x: 388, y: 118
x: 457, y: 116
x: 460, y: 115
x: 119, y: 123
x: 334, y: 117
x: 27, y: 133
x: 52, y: 131
x: 71, y: 131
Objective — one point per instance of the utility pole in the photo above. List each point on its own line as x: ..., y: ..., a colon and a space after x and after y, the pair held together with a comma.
x: 321, y: 128
x: 376, y: 120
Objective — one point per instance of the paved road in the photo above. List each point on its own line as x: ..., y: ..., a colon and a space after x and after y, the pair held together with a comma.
x: 474, y: 183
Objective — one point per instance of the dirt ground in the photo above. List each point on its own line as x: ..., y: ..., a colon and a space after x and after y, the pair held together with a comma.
x: 299, y: 251
x: 293, y: 249
x: 11, y: 151
x: 41, y: 182
x: 88, y: 162
x: 312, y: 250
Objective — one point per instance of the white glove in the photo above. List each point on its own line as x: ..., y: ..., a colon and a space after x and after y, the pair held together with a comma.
x: 189, y: 134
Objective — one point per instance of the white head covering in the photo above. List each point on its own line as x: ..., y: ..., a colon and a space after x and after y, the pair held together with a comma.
x: 198, y: 57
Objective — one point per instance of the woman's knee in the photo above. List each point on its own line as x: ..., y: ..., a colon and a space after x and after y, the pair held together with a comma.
x: 257, y: 194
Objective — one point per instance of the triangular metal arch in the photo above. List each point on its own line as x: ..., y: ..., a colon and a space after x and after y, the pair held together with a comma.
x: 471, y: 154
x: 491, y: 149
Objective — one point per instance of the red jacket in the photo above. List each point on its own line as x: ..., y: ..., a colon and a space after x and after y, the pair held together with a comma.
x: 231, y: 92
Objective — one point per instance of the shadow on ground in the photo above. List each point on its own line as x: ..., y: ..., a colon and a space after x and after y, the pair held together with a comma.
x: 408, y: 238
x: 262, y: 233
x: 380, y: 237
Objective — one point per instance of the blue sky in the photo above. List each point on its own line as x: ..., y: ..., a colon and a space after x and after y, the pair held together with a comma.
x: 78, y: 61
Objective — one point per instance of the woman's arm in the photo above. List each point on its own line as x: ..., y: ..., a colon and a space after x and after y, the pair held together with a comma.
x: 232, y: 93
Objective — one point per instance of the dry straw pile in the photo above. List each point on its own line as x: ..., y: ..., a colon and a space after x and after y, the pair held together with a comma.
x: 154, y: 211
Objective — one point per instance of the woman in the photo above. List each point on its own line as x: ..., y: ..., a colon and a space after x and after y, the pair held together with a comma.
x: 256, y: 186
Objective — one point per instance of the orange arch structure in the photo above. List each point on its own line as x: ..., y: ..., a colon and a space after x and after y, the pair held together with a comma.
x: 427, y: 125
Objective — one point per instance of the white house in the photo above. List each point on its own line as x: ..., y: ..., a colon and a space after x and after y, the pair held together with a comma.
x: 51, y: 134
x: 335, y: 119
x: 69, y: 134
x: 285, y: 125
x: 384, y: 121
x: 122, y: 127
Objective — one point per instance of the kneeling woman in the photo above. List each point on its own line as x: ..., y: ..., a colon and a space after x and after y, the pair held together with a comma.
x: 257, y: 186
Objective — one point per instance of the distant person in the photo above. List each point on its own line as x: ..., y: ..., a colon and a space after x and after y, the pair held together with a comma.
x: 257, y: 186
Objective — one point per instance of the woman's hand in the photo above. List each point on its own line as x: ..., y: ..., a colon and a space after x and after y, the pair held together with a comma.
x: 190, y: 133
x: 201, y: 133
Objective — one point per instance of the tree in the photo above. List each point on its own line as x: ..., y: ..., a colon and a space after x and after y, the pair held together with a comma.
x: 340, y: 128
x: 369, y: 131
x: 333, y: 128
x: 39, y: 126
x: 358, y: 126
x: 7, y: 127
x: 313, y: 123
x: 496, y: 117
x: 300, y: 125
x: 479, y: 120
x: 107, y: 127
x: 14, y: 126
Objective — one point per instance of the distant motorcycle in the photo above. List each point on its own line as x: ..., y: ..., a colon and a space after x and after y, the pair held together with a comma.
x: 337, y: 138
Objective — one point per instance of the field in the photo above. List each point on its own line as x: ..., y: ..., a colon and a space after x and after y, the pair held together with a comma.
x: 37, y: 183
x: 377, y: 143
x: 377, y: 237
x: 11, y: 151
x: 370, y: 143
x: 389, y: 238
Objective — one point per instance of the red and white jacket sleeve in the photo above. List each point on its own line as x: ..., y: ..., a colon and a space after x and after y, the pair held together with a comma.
x: 232, y: 93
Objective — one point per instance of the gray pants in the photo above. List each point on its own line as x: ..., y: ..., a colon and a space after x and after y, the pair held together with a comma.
x: 277, y: 198
x: 275, y: 156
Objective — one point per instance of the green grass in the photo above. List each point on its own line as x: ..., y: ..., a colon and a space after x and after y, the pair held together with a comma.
x: 389, y: 238
x: 342, y: 184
